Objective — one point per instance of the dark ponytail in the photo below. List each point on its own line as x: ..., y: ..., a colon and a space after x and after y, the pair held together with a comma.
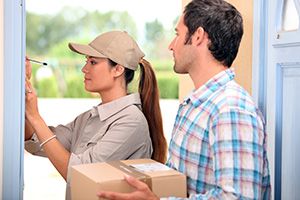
x: 150, y: 105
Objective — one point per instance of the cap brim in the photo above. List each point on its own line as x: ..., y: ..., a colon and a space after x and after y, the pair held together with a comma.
x: 85, y: 50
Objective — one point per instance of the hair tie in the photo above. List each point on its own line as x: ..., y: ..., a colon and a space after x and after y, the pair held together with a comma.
x: 141, y: 61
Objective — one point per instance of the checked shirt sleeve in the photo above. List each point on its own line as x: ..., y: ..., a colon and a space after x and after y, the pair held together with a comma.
x: 237, y: 144
x: 237, y: 141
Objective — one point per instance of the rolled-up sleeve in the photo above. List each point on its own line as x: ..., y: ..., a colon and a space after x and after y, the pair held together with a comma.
x: 33, y: 146
x: 126, y: 138
x: 63, y: 134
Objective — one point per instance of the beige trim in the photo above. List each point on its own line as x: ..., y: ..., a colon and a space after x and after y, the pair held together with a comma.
x: 243, y: 62
x: 185, y: 82
x: 1, y: 91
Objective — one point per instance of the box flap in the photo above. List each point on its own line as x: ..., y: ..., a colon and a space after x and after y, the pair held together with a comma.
x: 151, y: 167
x: 107, y: 172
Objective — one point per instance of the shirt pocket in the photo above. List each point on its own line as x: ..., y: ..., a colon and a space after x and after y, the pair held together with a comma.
x: 191, y: 139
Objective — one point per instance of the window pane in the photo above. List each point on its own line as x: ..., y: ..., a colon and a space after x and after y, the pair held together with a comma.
x: 290, y: 16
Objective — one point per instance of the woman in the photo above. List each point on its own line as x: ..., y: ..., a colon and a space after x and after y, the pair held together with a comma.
x: 122, y: 126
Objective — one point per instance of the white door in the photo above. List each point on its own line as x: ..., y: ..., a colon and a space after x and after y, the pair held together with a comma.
x: 277, y: 89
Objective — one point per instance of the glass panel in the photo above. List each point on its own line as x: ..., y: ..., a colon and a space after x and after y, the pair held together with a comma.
x: 290, y: 16
x: 50, y: 26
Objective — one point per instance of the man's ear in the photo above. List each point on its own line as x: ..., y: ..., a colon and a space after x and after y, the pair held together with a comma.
x: 118, y: 70
x: 199, y: 36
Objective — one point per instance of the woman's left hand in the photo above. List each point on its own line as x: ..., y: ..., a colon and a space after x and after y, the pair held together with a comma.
x: 28, y: 69
x: 31, y: 111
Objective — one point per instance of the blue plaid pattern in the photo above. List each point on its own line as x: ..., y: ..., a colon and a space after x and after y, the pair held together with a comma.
x: 219, y: 142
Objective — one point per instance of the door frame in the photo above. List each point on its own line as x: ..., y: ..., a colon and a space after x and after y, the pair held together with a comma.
x: 259, y: 52
x: 259, y: 80
x: 13, y: 99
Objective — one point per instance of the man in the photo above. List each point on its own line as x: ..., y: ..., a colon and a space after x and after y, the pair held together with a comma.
x: 218, y: 139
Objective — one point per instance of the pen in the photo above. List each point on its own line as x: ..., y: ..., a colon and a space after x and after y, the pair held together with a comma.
x: 39, y: 62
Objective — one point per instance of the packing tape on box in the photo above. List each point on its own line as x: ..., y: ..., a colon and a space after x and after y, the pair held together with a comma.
x: 132, y: 172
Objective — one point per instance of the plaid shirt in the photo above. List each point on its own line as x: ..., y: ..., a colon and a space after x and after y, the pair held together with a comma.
x: 219, y: 142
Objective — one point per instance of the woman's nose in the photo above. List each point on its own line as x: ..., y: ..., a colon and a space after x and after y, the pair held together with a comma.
x: 84, y: 69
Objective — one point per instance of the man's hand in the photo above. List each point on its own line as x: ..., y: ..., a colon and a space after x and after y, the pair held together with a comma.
x: 142, y: 192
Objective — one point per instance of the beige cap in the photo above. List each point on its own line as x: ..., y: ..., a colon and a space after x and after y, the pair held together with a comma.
x: 115, y: 45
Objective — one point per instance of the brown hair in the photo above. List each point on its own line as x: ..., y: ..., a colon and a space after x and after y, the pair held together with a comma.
x: 150, y: 104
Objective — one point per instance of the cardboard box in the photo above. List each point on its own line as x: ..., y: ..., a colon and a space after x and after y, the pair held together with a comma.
x: 88, y: 179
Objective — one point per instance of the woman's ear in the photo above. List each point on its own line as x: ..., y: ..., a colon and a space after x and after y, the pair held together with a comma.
x: 118, y: 70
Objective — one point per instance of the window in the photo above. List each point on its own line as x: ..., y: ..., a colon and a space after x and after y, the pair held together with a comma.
x: 50, y: 26
x: 290, y: 15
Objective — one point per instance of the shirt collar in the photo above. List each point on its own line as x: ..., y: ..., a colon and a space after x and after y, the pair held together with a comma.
x: 205, y: 91
x: 108, y: 109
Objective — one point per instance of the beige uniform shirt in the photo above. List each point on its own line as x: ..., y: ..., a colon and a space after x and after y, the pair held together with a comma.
x: 116, y: 130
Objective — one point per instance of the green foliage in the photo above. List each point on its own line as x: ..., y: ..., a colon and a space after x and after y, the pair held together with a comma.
x: 157, y: 41
x: 167, y: 80
x: 47, y: 87
x: 162, y: 65
x: 48, y: 36
x: 43, y: 31
x: 61, y: 50
x: 154, y: 31
x: 75, y: 88
x: 168, y: 84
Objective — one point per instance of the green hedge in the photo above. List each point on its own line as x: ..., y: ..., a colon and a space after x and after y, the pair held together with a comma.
x: 168, y: 85
x: 47, y: 87
x: 162, y: 65
x: 73, y: 86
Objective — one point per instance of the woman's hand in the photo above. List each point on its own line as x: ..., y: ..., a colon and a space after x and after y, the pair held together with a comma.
x: 28, y: 69
x: 31, y: 111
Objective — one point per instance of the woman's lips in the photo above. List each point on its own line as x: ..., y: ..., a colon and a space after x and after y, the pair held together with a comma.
x: 87, y: 79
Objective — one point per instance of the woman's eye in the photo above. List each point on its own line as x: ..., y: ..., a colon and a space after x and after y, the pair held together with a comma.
x: 93, y: 62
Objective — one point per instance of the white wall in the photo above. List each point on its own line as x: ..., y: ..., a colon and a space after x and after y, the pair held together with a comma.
x: 1, y: 91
